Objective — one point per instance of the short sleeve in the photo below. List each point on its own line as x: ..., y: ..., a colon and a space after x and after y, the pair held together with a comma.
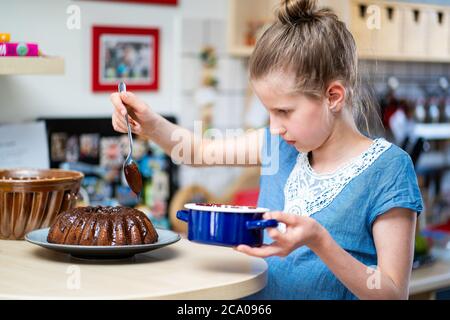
x: 396, y: 187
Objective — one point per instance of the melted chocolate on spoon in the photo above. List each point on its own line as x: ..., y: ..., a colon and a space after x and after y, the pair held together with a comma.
x: 133, y: 177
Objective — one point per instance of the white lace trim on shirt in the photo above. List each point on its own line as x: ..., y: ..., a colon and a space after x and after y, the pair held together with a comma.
x: 307, y: 192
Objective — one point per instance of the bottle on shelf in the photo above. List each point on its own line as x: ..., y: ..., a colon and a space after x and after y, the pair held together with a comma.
x: 442, y: 105
x: 433, y: 111
x: 447, y: 110
x: 420, y: 113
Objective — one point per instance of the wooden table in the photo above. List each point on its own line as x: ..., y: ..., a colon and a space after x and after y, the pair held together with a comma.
x: 183, y: 270
x: 426, y: 280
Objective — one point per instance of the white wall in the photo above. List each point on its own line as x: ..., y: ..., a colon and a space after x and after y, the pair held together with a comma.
x: 44, y: 22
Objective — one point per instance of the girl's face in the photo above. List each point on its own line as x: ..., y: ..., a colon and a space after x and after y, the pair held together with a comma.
x: 301, y: 121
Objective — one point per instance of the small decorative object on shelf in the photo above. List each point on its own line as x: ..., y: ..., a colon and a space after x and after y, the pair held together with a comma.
x: 447, y: 110
x: 19, y: 49
x: 255, y: 28
x: 209, y: 62
x: 206, y: 95
x: 434, y: 110
x: 250, y: 38
x: 4, y: 37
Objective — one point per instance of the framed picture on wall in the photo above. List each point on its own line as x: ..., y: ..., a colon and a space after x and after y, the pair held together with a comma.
x: 124, y: 54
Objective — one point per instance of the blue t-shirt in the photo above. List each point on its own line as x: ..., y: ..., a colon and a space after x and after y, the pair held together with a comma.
x: 389, y: 182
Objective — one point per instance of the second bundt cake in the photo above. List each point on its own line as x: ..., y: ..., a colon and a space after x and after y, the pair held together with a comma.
x: 102, y: 226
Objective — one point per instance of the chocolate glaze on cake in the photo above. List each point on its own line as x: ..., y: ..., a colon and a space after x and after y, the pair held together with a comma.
x: 102, y: 226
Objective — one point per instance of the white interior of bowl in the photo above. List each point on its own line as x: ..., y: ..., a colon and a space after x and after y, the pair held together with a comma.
x: 224, y: 208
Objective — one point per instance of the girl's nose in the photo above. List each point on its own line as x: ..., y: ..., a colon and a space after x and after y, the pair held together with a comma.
x: 275, y: 126
x: 277, y: 130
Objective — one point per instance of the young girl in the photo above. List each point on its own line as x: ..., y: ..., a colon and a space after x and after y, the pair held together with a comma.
x: 348, y: 204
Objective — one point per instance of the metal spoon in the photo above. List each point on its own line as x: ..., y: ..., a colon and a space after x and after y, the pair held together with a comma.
x: 130, y: 168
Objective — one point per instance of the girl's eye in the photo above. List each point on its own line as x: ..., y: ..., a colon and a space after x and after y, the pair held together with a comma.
x: 282, y: 112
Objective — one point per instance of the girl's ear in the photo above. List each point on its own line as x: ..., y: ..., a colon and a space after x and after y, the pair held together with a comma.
x: 336, y: 96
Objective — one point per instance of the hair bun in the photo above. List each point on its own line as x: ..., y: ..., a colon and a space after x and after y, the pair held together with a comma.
x: 294, y: 11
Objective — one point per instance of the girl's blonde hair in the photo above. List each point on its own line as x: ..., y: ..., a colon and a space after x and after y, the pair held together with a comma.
x: 317, y: 48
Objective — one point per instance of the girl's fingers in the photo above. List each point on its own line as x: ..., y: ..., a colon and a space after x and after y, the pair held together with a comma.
x: 133, y: 123
x: 133, y: 102
x: 118, y: 125
x: 118, y: 104
x: 271, y: 214
x: 286, y: 218
x: 267, y: 215
x: 274, y: 233
x: 135, y: 127
x: 260, y: 252
x: 120, y: 121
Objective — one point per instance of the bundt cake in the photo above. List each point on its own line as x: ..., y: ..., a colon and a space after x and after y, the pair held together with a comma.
x: 102, y: 226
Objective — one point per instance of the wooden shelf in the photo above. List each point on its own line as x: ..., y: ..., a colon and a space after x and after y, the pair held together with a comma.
x: 262, y: 12
x: 399, y: 39
x: 410, y: 32
x: 241, y: 51
x: 240, y: 14
x: 31, y: 65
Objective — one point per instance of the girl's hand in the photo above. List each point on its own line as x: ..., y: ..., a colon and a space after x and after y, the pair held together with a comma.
x: 300, y: 231
x: 142, y: 119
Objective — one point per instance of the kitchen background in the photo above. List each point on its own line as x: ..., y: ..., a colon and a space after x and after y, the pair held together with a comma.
x: 204, y: 47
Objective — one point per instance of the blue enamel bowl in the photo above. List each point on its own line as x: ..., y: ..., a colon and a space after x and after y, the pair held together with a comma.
x: 225, y: 225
